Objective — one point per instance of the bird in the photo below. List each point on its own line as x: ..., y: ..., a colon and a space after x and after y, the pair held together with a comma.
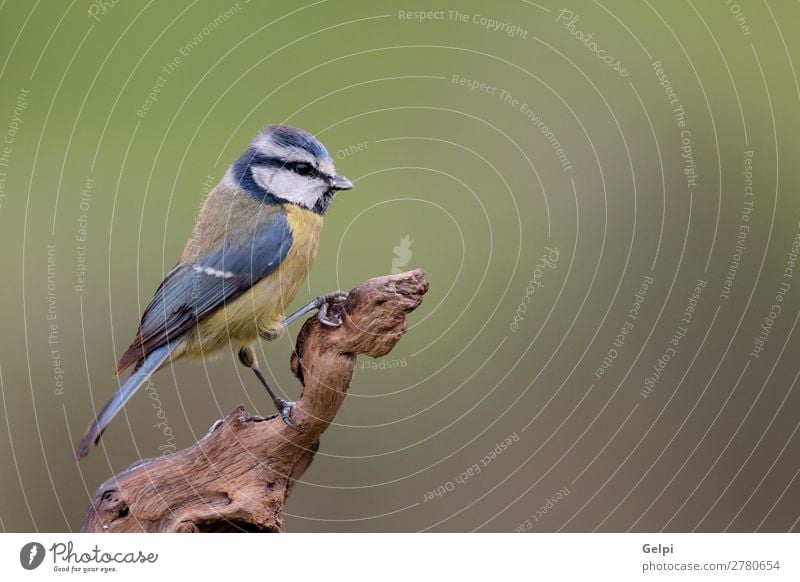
x: 253, y: 245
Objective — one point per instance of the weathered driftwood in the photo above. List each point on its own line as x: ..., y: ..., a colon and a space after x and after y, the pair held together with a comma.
x: 237, y: 478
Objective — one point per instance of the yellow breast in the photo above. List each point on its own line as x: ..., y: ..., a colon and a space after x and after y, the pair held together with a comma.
x: 263, y: 306
x: 275, y: 292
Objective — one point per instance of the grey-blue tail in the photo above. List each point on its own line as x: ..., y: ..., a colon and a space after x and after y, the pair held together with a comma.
x: 153, y: 361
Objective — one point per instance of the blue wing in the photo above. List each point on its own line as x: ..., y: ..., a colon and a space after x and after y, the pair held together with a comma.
x: 190, y: 292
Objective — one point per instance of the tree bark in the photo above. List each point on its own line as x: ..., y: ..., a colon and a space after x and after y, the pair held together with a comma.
x: 238, y: 477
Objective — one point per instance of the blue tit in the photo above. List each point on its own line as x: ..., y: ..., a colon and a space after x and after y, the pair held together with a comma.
x: 252, y: 247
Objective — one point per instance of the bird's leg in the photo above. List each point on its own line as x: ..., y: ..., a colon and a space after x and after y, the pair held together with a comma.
x: 247, y: 356
x: 323, y: 304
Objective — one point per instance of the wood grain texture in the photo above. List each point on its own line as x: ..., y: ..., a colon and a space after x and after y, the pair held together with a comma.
x: 238, y: 477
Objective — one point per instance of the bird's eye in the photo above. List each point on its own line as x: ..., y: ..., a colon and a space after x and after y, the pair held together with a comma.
x: 303, y: 168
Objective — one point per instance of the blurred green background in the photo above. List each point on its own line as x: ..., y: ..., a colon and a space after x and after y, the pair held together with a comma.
x: 478, y: 137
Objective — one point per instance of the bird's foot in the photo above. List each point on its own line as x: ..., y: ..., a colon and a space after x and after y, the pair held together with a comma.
x: 285, y: 408
x: 327, y: 305
x: 330, y: 305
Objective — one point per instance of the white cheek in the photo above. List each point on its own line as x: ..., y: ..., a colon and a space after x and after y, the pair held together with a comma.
x: 307, y: 192
x: 290, y: 186
x: 263, y: 177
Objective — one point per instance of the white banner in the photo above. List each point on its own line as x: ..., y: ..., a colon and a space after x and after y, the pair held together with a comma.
x: 371, y: 557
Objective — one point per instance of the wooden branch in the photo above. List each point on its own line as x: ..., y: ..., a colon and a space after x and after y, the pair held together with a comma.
x: 238, y: 476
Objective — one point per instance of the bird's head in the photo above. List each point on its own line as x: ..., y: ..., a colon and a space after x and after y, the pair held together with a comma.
x: 286, y: 164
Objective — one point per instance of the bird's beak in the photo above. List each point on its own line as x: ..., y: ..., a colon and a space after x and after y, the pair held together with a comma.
x: 341, y: 183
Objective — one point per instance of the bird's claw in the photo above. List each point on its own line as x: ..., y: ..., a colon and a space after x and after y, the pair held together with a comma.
x: 325, y: 303
x: 285, y: 408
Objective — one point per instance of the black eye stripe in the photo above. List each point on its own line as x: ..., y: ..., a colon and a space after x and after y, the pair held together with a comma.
x: 257, y: 159
x: 304, y: 169
x: 301, y: 168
